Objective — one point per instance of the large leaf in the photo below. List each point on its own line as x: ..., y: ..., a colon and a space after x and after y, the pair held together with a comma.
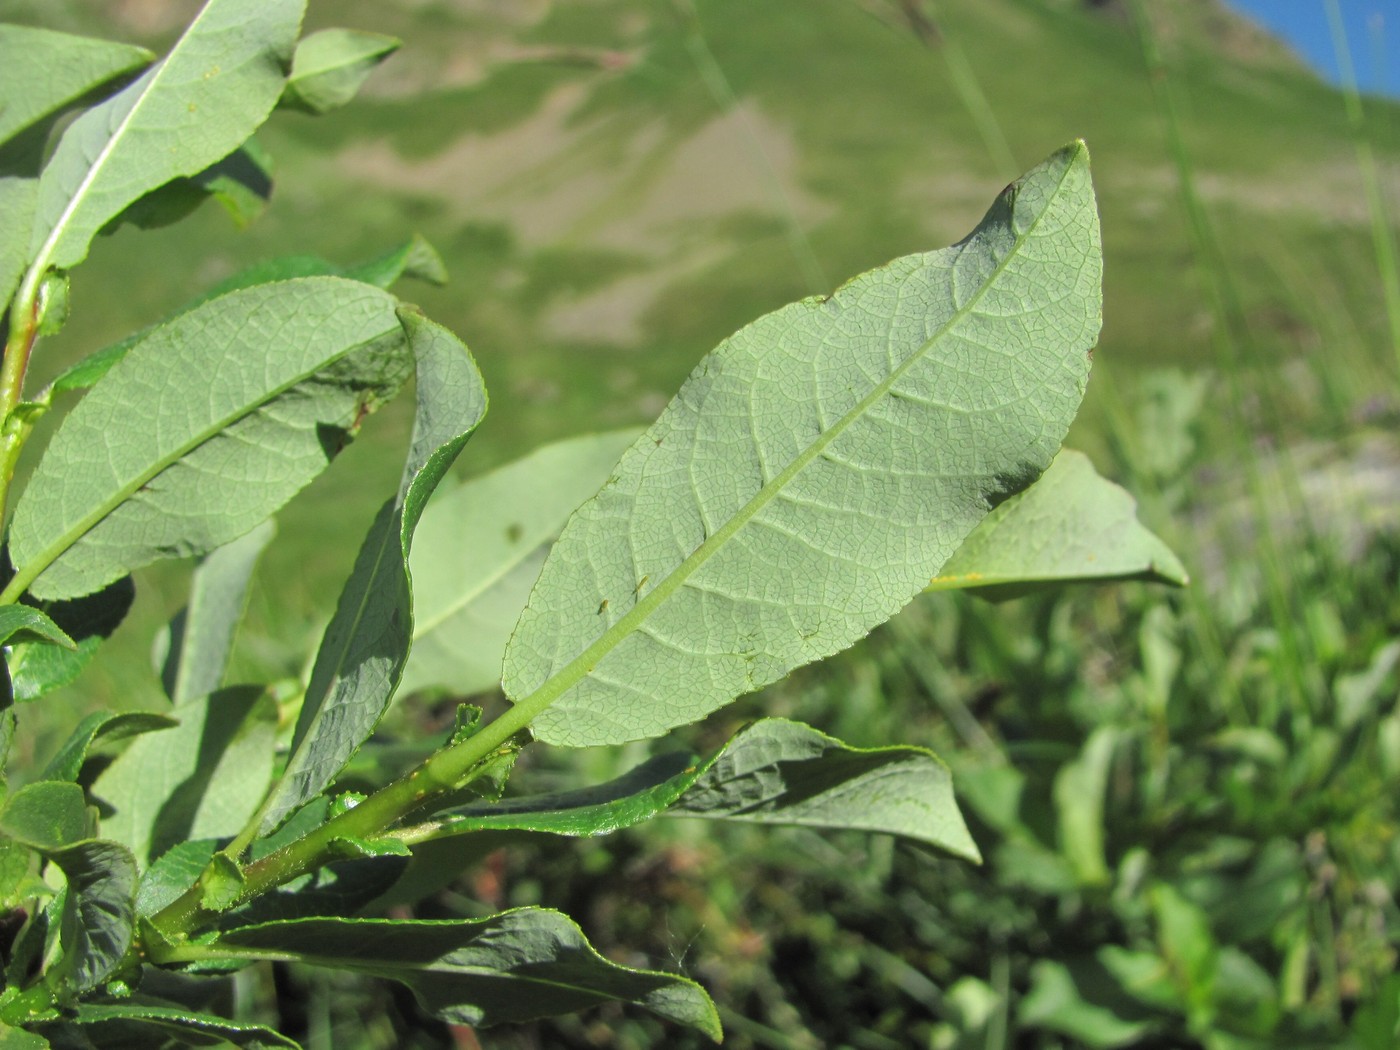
x: 1070, y: 526
x: 200, y: 637
x: 205, y: 429
x: 42, y: 71
x: 329, y: 67
x: 513, y: 967
x: 815, y: 472
x: 366, y: 643
x: 202, y: 779
x: 772, y: 772
x: 478, y: 551
x: 209, y: 94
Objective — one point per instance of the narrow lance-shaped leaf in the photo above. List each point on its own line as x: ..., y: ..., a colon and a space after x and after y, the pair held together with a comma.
x: 209, y: 94
x: 204, y: 429
x: 100, y: 725
x: 815, y: 472
x: 772, y: 772
x: 366, y: 643
x: 514, y: 967
x: 478, y: 551
x: 200, y: 637
x: 146, y: 1022
x: 42, y: 70
x: 1070, y: 526
x: 329, y: 67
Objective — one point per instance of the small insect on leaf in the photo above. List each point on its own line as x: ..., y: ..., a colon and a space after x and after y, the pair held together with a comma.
x: 602, y: 607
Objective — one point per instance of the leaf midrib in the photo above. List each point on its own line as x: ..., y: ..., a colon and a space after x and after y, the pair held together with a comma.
x: 583, y: 664
x: 118, y: 135
x: 104, y: 509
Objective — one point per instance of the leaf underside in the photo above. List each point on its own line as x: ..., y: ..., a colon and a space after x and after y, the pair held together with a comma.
x: 815, y: 472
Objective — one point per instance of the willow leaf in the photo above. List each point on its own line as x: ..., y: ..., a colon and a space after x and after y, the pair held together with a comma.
x: 42, y: 70
x: 773, y: 772
x: 329, y: 66
x: 204, y: 429
x: 1070, y: 526
x: 815, y: 472
x: 517, y: 966
x: 197, y: 105
x: 362, y: 655
x: 200, y: 637
x: 478, y: 551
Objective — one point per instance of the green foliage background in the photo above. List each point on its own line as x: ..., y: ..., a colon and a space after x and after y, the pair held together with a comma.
x: 1191, y: 796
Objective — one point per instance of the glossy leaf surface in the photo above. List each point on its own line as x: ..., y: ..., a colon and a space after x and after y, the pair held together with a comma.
x: 815, y: 472
x: 773, y: 772
x: 513, y: 967
x: 364, y: 648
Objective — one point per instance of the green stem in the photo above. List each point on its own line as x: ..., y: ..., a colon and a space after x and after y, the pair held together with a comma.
x: 24, y: 333
x: 437, y: 775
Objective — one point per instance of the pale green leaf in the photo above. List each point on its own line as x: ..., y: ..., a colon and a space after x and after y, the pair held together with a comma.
x: 1070, y: 526
x: 1080, y: 793
x: 142, y: 1021
x: 198, y: 640
x: 172, y: 873
x: 362, y: 655
x: 22, y: 623
x: 17, y: 197
x: 202, y: 779
x: 413, y: 258
x: 47, y: 815
x: 329, y: 66
x: 37, y: 668
x: 100, y: 725
x: 209, y: 94
x: 99, y: 914
x: 815, y: 472
x: 42, y: 70
x: 781, y: 772
x: 1054, y: 1002
x: 241, y: 182
x: 204, y: 429
x: 19, y: 1039
x: 509, y: 968
x: 416, y: 258
x: 772, y: 772
x: 478, y: 551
